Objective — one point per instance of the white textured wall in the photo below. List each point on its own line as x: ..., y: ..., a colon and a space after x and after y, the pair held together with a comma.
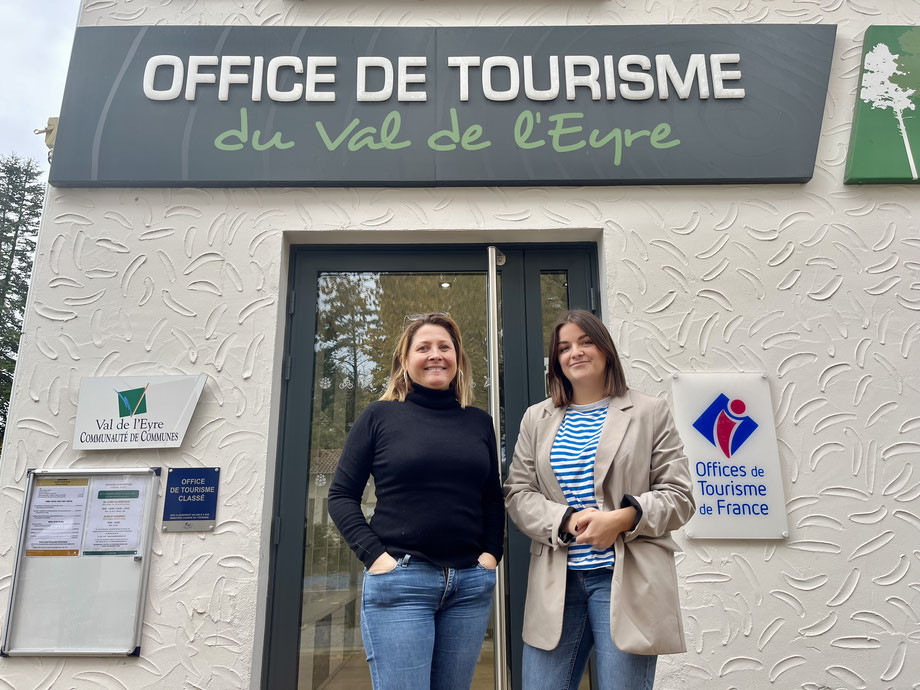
x: 817, y: 284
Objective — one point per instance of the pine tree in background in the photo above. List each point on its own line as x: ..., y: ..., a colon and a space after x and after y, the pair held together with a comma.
x: 21, y: 196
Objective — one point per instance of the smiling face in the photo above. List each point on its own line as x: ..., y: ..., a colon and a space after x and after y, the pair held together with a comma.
x: 432, y: 358
x: 582, y: 363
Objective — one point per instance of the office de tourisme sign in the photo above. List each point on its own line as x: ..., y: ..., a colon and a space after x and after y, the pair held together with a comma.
x: 243, y: 106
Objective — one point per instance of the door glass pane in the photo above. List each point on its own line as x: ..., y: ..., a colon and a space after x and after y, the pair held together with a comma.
x: 359, y: 318
x: 554, y: 299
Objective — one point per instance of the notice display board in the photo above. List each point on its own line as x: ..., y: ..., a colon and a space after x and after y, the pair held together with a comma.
x: 80, y: 578
x: 726, y: 423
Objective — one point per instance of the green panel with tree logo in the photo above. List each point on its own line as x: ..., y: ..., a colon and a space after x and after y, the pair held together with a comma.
x: 885, y: 142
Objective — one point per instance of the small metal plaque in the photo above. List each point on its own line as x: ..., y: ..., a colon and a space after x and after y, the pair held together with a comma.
x: 191, y: 499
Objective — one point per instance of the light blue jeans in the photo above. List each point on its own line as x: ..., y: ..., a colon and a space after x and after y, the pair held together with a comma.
x: 423, y: 625
x: 586, y: 624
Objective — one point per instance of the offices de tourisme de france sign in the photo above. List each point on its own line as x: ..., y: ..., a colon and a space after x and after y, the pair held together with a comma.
x: 726, y: 423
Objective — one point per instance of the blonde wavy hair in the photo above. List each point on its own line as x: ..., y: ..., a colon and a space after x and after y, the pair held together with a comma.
x: 400, y: 385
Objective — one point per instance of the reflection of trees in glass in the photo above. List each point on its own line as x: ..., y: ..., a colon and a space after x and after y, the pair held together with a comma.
x: 554, y: 299
x: 346, y: 354
x: 328, y: 552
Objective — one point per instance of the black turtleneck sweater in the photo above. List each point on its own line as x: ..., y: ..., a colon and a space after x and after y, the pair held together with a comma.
x: 436, y: 478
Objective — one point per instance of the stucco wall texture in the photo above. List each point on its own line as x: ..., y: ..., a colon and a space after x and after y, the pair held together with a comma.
x: 818, y: 285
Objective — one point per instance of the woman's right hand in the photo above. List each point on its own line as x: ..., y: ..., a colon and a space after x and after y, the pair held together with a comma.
x: 384, y: 564
x: 571, y: 526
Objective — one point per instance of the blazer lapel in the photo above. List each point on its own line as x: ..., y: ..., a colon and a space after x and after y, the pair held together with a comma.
x: 547, y: 427
x: 609, y: 443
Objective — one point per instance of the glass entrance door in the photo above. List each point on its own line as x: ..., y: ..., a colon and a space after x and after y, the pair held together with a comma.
x: 348, y: 309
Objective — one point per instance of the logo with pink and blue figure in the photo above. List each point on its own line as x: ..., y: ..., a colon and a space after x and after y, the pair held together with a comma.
x: 725, y: 425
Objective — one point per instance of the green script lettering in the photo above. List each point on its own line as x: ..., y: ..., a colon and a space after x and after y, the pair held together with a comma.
x: 662, y: 131
x: 566, y: 136
x: 523, y: 128
x: 467, y: 140
x: 616, y: 135
x: 632, y: 136
x: 332, y: 145
x: 364, y: 137
x: 242, y: 136
x: 625, y: 138
x: 274, y: 141
x: 390, y: 129
x: 472, y: 133
x: 559, y: 130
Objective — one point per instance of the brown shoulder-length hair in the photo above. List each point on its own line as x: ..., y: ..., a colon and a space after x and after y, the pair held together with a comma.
x: 560, y: 390
x: 400, y: 385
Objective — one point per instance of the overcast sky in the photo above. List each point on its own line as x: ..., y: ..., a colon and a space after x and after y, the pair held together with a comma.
x: 35, y: 42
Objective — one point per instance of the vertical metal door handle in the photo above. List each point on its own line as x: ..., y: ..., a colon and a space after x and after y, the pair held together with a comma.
x: 500, y: 638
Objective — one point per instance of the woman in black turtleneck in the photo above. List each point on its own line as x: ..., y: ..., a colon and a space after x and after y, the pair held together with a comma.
x: 433, y: 545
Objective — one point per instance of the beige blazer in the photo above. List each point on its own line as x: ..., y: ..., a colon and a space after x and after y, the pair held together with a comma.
x: 639, y: 453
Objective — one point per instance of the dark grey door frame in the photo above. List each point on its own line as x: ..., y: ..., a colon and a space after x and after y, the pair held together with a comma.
x: 523, y: 385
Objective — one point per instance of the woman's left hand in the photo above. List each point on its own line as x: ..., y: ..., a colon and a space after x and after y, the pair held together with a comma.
x: 487, y: 560
x: 601, y: 528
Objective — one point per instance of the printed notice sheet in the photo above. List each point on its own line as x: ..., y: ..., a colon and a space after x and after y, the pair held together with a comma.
x: 57, y: 516
x: 115, y: 515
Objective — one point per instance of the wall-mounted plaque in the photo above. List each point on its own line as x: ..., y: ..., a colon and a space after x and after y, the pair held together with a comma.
x: 135, y: 411
x: 885, y: 140
x: 190, y: 504
x: 726, y: 423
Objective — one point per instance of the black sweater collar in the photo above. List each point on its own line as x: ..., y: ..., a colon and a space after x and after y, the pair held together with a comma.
x: 434, y: 399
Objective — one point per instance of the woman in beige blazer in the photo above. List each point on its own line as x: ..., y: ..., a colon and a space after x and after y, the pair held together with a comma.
x: 598, y: 481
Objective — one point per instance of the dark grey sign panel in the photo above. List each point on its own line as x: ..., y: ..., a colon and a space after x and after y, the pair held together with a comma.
x: 572, y: 105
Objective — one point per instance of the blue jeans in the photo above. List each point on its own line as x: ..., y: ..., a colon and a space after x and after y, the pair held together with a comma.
x: 586, y: 624
x: 423, y: 625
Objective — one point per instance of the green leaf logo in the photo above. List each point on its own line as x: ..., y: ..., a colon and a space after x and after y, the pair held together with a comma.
x: 132, y: 402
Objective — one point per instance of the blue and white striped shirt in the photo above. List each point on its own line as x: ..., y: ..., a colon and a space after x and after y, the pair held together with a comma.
x: 572, y: 460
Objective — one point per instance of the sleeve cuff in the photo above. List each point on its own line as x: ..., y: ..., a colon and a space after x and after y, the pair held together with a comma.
x: 373, y: 555
x: 630, y: 500
x: 564, y: 536
x: 497, y: 550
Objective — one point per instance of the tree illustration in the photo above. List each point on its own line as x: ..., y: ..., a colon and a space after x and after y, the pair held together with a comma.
x: 878, y: 88
x: 909, y: 61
